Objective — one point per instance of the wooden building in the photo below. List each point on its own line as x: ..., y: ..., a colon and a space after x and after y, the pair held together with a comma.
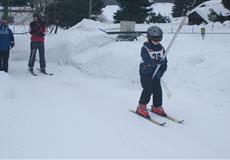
x: 201, y: 13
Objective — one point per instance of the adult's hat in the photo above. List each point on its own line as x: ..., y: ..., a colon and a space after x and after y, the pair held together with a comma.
x: 154, y: 33
x: 36, y: 15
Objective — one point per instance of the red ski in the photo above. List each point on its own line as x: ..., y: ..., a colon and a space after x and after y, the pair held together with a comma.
x: 150, y: 119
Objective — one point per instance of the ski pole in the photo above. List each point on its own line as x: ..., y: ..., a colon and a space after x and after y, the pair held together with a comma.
x: 33, y: 54
x: 169, y: 94
x: 174, y: 37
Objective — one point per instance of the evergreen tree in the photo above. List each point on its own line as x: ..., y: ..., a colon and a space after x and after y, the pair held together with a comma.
x: 226, y: 4
x: 158, y: 18
x: 67, y: 13
x: 133, y: 10
x: 177, y: 10
x: 181, y: 7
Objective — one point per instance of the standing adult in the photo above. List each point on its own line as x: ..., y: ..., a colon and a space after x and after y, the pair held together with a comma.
x: 37, y: 30
x: 6, y: 43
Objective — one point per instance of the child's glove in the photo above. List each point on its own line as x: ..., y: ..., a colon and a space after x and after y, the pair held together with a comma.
x: 39, y: 34
x: 161, y: 61
x: 12, y: 44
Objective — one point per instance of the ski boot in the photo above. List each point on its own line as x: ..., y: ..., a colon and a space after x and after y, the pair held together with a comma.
x: 159, y: 110
x: 142, y: 111
x: 43, y: 71
x: 31, y: 70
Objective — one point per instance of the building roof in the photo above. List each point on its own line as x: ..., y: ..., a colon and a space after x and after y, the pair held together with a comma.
x: 163, y: 1
x: 204, y: 9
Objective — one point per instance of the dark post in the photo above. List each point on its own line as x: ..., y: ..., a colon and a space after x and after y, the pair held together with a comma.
x: 90, y: 8
x: 202, y: 32
x: 55, y: 14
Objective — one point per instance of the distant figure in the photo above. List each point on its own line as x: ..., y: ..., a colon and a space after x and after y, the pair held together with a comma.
x: 37, y: 30
x: 152, y: 53
x: 202, y: 32
x: 6, y: 43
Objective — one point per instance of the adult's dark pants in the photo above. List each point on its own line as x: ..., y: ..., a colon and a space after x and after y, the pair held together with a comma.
x: 34, y: 46
x: 151, y: 88
x: 4, y: 58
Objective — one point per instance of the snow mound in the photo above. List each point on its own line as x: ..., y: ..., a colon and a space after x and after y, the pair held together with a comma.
x: 80, y: 38
x: 119, y: 63
x: 87, y: 25
x: 93, y: 52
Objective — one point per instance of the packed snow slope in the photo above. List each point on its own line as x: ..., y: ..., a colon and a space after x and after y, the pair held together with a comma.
x: 83, y: 110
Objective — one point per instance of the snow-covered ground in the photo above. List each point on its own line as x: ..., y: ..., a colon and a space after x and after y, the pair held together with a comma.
x: 83, y: 110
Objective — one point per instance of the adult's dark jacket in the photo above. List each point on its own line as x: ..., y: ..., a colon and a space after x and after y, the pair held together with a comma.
x: 37, y: 31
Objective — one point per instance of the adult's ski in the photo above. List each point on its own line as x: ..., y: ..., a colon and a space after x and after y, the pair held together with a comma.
x: 174, y: 119
x: 149, y: 119
x: 44, y: 72
x: 32, y: 73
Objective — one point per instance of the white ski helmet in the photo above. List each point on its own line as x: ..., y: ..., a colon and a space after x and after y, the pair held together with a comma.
x: 154, y: 33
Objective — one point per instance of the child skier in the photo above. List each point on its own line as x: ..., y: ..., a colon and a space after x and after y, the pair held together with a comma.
x: 152, y: 53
